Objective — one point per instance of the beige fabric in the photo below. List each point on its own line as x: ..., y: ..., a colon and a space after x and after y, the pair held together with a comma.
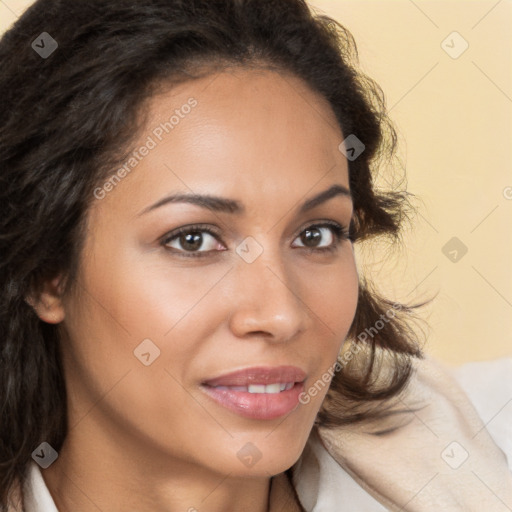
x: 438, y: 457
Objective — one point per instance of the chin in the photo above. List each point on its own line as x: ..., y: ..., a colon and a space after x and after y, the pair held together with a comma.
x: 263, y: 455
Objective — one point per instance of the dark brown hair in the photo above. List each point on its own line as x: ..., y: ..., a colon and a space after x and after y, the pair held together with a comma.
x: 70, y: 117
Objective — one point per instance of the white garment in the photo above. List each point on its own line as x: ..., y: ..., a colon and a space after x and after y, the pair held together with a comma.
x: 324, y: 486
x: 36, y: 495
x: 489, y: 386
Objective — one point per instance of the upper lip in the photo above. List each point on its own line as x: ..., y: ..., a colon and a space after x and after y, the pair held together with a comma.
x: 259, y: 375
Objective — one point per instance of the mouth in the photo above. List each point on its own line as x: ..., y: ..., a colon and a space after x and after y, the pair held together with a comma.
x: 258, y: 393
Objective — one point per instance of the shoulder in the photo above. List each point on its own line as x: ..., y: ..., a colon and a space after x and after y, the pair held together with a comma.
x: 447, y: 428
x: 488, y: 384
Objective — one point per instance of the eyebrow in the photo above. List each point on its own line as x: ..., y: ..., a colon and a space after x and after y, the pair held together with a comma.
x: 223, y: 205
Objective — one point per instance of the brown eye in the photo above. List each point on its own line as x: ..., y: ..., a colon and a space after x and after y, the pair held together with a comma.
x: 193, y: 241
x: 311, y: 237
x: 317, y: 237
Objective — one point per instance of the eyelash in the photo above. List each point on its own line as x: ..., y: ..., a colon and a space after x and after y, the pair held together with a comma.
x: 340, y: 232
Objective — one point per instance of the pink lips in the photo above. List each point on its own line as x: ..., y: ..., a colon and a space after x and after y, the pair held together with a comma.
x: 259, y: 375
x: 225, y: 390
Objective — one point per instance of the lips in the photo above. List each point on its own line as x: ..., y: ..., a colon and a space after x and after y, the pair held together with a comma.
x: 260, y: 393
x: 259, y: 376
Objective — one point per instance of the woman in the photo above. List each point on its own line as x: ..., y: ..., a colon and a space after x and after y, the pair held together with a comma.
x: 183, y: 323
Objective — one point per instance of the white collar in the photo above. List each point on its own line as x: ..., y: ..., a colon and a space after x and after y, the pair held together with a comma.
x: 36, y: 496
x: 322, y: 484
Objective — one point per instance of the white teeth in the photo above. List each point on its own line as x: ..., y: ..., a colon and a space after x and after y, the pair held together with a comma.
x: 273, y: 388
x: 257, y: 388
x: 260, y: 388
x: 269, y: 388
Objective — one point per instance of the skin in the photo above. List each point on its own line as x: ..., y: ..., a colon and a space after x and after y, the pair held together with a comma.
x: 147, y: 438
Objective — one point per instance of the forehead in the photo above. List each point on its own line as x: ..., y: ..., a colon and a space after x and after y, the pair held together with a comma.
x: 240, y: 132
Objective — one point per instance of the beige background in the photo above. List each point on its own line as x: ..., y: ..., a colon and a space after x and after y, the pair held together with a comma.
x: 454, y: 120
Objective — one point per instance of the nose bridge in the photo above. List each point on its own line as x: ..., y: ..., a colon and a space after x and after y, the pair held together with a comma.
x: 267, y: 300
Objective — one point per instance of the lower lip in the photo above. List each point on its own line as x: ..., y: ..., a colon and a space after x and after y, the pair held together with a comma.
x: 260, y: 406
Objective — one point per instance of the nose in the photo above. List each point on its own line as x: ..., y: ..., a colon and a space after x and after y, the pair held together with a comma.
x: 266, y: 301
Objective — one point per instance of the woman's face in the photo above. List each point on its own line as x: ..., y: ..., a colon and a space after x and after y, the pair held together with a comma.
x: 248, y: 283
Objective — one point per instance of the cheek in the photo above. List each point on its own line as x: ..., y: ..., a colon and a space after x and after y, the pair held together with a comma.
x: 128, y: 308
x: 333, y: 303
x: 122, y: 307
x: 331, y: 294
x: 147, y: 296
